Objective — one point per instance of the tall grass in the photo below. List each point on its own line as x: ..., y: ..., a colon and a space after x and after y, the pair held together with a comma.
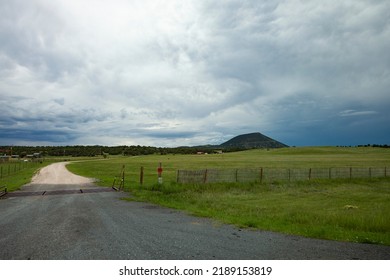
x: 333, y: 209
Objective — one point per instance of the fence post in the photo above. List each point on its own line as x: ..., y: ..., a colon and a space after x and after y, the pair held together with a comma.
x: 330, y: 173
x: 2, y: 172
x: 4, y: 192
x: 369, y: 172
x: 261, y: 175
x: 159, y: 173
x: 236, y: 175
x: 385, y: 172
x: 141, y: 176
x: 309, y: 173
x: 123, y: 177
x: 205, y: 177
x: 289, y: 175
x: 350, y: 173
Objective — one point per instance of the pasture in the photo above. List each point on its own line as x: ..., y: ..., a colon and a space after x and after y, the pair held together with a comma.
x: 13, y: 175
x: 340, y: 209
x: 307, y: 157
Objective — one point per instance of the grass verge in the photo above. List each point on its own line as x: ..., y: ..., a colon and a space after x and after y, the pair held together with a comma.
x: 18, y: 178
x: 344, y: 210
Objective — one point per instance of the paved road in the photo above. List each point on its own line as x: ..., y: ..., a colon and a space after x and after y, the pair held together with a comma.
x: 99, y: 225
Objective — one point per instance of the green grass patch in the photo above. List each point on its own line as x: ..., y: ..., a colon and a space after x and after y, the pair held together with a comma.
x: 311, y: 157
x: 344, y: 210
x: 16, y: 174
x: 338, y: 209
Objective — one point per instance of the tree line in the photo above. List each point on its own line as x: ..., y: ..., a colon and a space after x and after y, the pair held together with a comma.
x: 91, y: 151
x: 375, y: 146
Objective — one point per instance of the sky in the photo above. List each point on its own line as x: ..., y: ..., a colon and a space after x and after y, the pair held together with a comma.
x: 169, y: 73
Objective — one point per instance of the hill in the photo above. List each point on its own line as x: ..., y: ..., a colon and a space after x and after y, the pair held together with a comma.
x: 252, y: 140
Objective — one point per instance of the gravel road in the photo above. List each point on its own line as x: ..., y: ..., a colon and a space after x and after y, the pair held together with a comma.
x: 52, y: 219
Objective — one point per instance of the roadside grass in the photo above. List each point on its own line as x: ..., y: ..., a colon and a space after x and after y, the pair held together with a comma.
x: 339, y: 209
x: 17, y: 178
x: 344, y: 210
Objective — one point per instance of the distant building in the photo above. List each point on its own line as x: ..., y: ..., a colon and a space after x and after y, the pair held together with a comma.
x: 4, y: 158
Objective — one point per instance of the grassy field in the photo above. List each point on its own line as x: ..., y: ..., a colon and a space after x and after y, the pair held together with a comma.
x: 16, y: 174
x: 106, y: 170
x: 341, y: 209
x: 354, y: 211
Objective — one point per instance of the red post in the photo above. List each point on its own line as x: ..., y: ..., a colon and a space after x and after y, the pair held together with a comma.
x: 159, y: 172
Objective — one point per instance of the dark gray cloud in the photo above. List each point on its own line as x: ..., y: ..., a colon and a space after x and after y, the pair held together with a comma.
x: 38, y: 136
x: 193, y: 72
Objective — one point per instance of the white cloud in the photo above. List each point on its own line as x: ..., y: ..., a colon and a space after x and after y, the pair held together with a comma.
x: 352, y: 113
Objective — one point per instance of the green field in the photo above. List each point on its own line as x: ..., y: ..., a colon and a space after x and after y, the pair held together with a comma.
x: 340, y: 209
x: 106, y: 170
x: 13, y: 175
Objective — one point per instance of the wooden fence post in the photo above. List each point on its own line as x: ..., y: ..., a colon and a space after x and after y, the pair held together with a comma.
x: 123, y: 177
x: 205, y: 177
x: 261, y: 175
x: 4, y: 192
x: 141, y: 176
x: 289, y: 175
x: 350, y: 173
x: 309, y: 173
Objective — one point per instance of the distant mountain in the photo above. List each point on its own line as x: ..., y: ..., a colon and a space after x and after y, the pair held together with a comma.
x: 252, y: 140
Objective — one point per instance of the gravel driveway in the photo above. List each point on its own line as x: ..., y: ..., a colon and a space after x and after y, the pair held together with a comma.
x: 63, y: 216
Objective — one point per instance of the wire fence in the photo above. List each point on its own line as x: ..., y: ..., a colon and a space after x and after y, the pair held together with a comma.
x: 277, y: 174
x: 11, y: 168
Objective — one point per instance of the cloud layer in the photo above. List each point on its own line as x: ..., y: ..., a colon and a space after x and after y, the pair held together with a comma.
x: 172, y: 73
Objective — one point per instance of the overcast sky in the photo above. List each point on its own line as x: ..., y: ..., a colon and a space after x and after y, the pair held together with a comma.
x: 172, y: 73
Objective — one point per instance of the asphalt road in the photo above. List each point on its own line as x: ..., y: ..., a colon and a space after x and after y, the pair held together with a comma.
x: 65, y: 223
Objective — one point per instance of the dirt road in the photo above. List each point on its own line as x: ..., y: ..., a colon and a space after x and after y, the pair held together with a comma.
x: 64, y: 216
x: 57, y: 174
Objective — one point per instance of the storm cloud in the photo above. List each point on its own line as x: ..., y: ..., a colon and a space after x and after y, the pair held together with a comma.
x: 173, y: 73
